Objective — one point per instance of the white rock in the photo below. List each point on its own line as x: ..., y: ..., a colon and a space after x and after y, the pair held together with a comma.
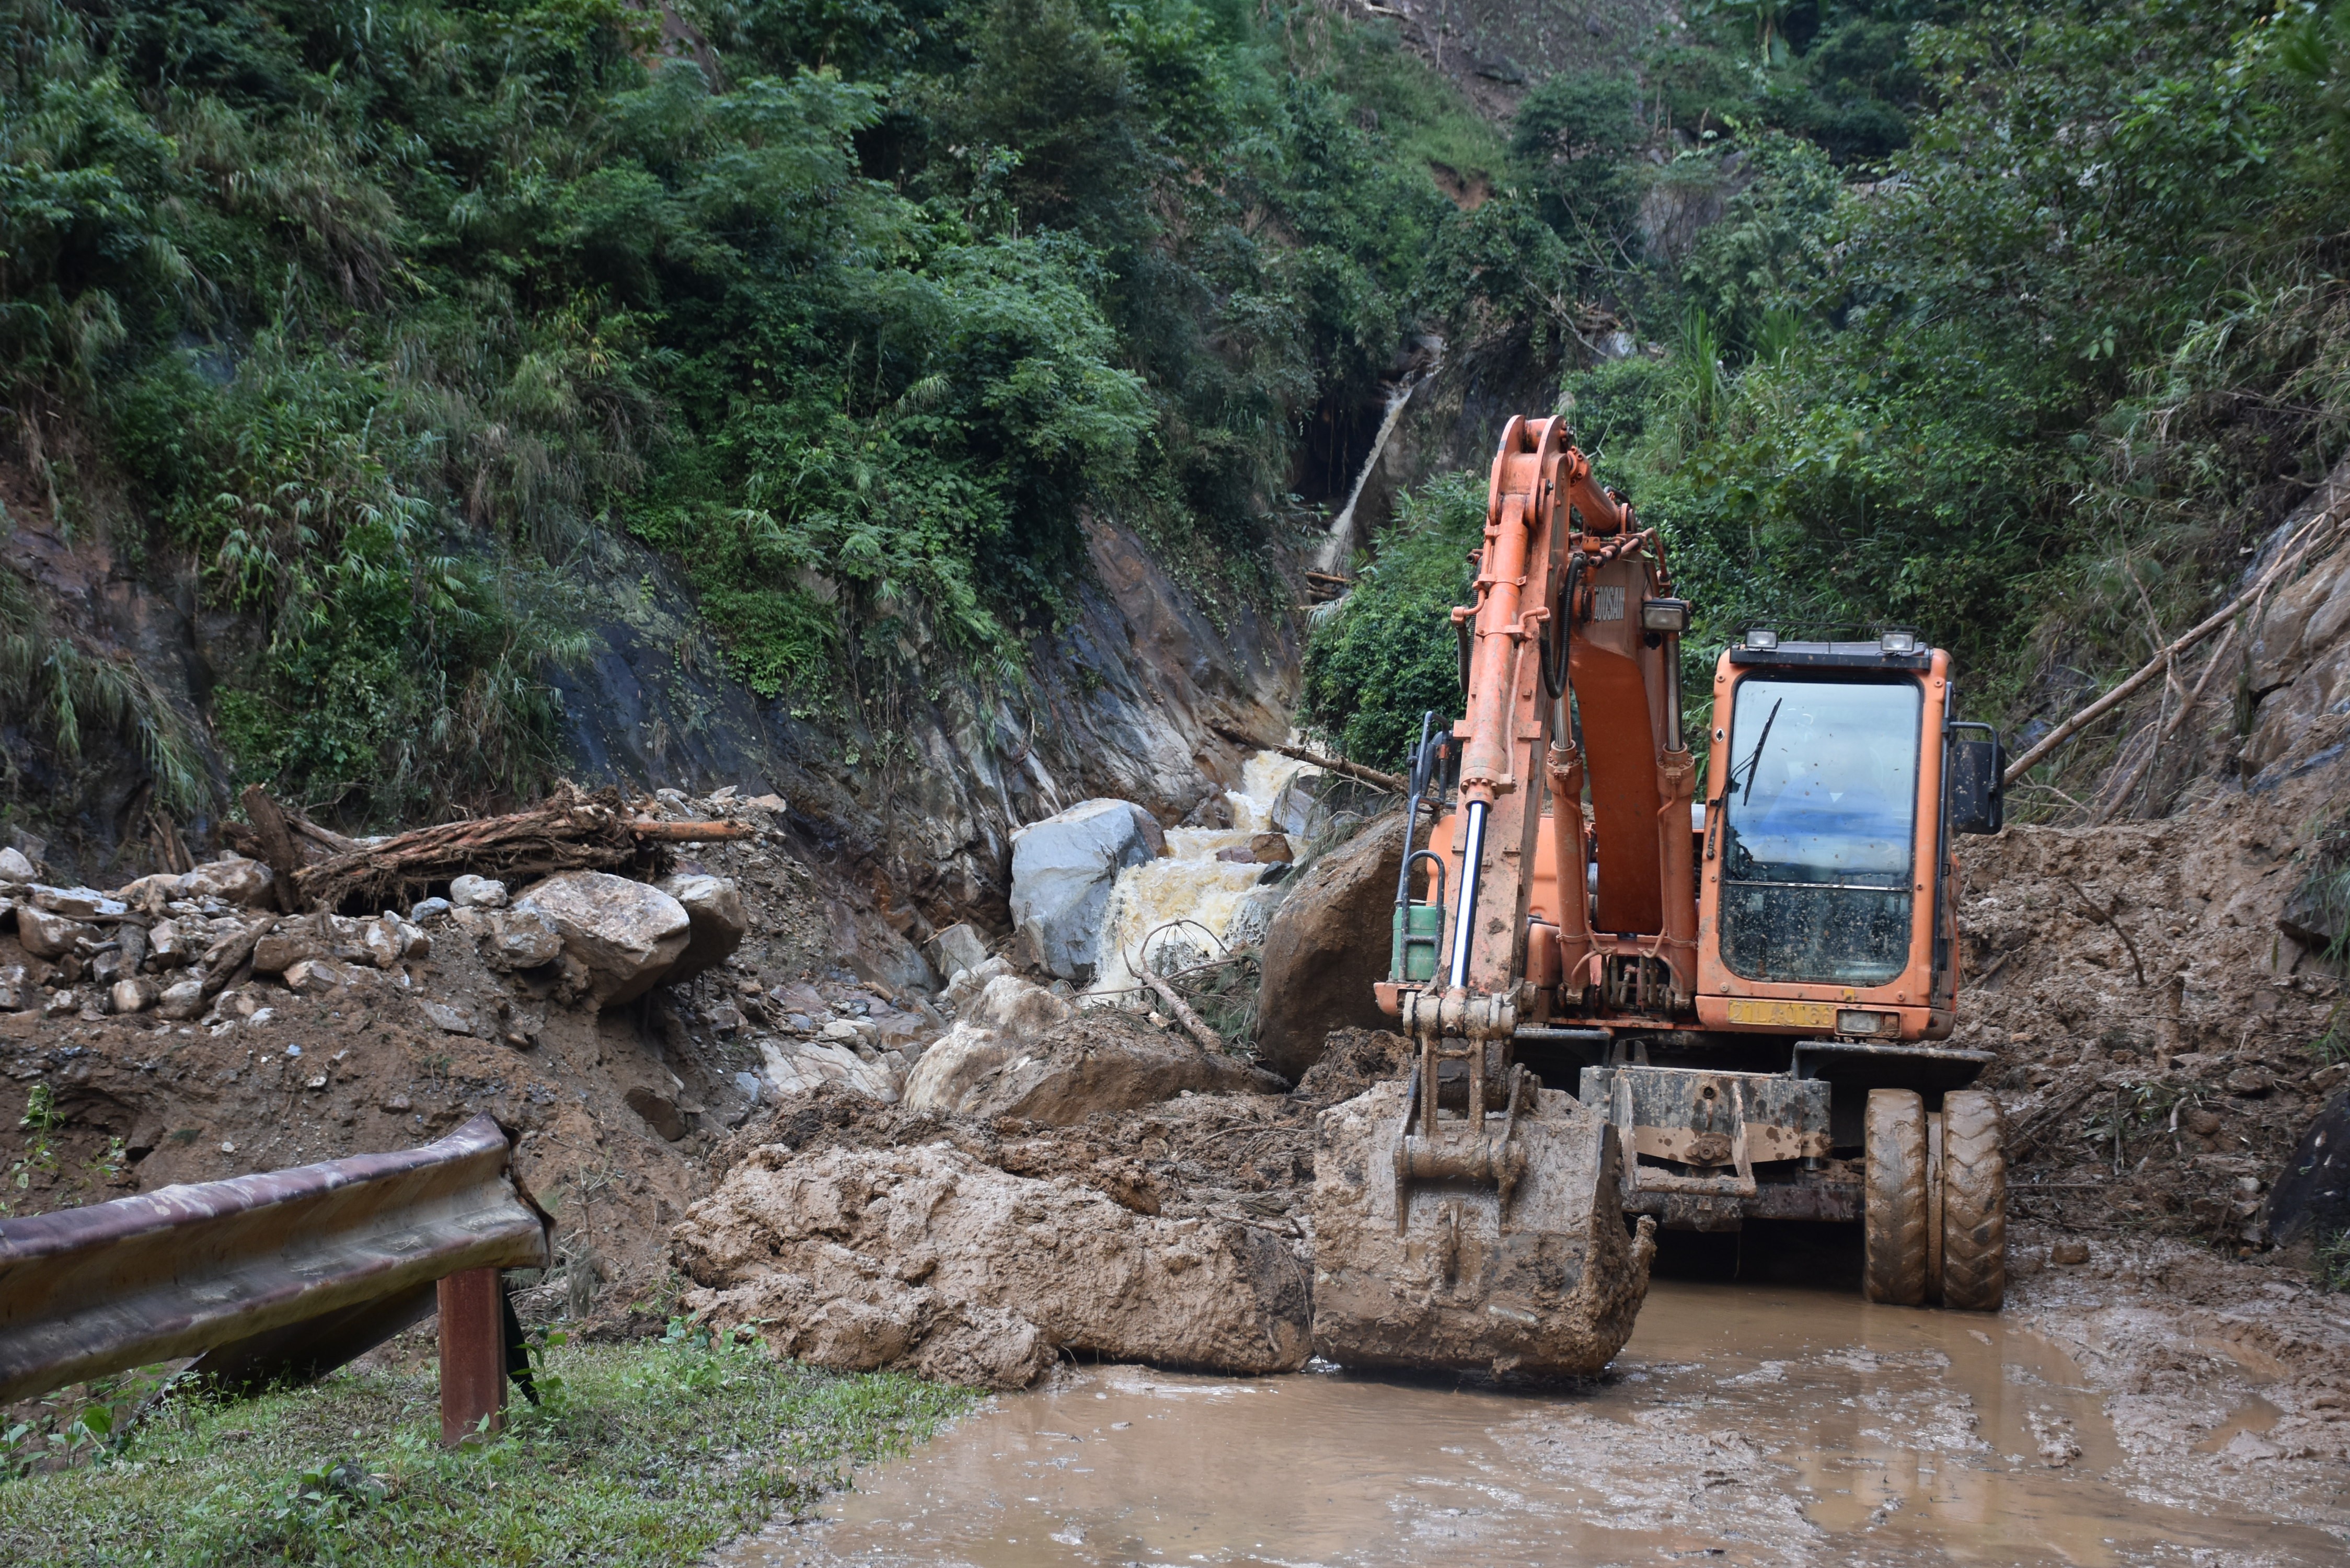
x: 840, y: 1029
x: 310, y: 977
x: 1017, y: 1007
x: 624, y: 934
x: 1062, y: 871
x: 972, y: 981
x: 46, y: 935
x: 477, y: 893
x: 232, y: 878
x: 955, y: 950
x: 183, y: 1000
x: 134, y: 995
x: 518, y: 938
x: 169, y: 947
x: 449, y: 1020
x: 794, y: 1065
x: 14, y: 867
x: 162, y: 888
x: 78, y: 903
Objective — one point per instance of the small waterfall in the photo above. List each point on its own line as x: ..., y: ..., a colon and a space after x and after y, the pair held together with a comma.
x: 1339, y: 541
x: 1188, y: 882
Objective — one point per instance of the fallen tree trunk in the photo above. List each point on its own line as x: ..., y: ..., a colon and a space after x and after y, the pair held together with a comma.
x: 1339, y: 765
x: 570, y: 830
x: 1209, y: 1040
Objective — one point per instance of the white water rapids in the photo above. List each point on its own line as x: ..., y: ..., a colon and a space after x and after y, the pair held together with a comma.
x: 1187, y: 882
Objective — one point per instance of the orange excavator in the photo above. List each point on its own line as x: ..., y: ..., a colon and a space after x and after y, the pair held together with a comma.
x: 1747, y: 985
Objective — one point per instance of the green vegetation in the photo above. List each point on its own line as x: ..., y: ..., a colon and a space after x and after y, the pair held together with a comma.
x: 641, y: 1454
x: 2012, y: 323
x: 1389, y: 655
x: 2017, y: 326
x: 375, y: 311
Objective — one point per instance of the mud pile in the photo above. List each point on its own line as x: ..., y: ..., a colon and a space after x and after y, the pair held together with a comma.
x: 1179, y: 1232
x: 2156, y: 1035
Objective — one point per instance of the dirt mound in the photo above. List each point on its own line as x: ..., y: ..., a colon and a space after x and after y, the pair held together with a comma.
x: 329, y: 1047
x: 930, y: 1259
x: 2155, y: 1034
x: 1352, y: 1060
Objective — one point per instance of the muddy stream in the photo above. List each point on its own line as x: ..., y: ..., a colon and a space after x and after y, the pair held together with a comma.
x: 1743, y: 1425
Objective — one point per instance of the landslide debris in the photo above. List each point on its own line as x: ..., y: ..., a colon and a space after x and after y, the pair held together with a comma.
x: 1180, y: 1232
x: 1019, y: 1051
x: 180, y: 1029
x: 925, y: 1259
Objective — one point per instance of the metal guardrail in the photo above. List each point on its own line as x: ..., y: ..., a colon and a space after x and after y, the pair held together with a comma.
x: 281, y: 1275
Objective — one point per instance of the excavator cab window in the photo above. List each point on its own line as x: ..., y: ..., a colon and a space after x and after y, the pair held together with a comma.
x: 1819, y: 829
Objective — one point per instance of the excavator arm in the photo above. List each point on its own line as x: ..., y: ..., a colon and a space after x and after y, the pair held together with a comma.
x: 1469, y: 1216
x: 1571, y: 618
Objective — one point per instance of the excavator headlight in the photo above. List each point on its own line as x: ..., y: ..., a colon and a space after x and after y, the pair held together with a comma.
x: 1763, y: 637
x: 1665, y: 614
x: 1898, y: 642
x: 1863, y: 1022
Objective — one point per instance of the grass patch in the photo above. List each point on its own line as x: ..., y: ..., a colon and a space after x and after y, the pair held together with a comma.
x: 642, y: 1454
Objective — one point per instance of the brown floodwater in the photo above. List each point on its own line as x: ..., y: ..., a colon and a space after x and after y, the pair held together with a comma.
x: 1744, y: 1423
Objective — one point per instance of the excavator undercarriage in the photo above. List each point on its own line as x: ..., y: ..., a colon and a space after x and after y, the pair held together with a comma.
x: 1746, y: 988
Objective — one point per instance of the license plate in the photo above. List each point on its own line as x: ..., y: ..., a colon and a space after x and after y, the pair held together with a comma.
x: 1784, y: 1015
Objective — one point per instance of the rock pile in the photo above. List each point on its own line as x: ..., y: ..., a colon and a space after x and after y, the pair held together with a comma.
x: 178, y: 943
x: 973, y: 1247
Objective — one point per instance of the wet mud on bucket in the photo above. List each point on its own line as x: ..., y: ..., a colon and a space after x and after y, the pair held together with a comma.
x: 1758, y: 1425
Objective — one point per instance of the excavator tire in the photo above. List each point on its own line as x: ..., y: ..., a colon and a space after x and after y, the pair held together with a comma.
x: 1974, y: 1202
x: 1893, y: 1217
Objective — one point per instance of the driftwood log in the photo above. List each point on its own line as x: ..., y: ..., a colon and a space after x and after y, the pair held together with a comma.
x: 571, y: 830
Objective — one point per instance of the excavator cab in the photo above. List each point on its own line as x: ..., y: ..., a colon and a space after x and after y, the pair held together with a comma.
x: 1750, y: 983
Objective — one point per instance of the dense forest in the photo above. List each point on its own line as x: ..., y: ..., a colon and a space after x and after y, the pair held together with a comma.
x: 2020, y: 326
x: 2012, y: 323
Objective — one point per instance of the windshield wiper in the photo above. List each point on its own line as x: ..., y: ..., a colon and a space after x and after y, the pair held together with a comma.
x: 1755, y: 755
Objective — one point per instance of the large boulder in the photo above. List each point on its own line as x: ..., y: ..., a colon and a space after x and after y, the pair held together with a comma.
x: 627, y: 935
x: 713, y: 906
x: 926, y: 1259
x: 233, y: 880
x: 1020, y: 1051
x: 1062, y: 872
x: 48, y: 935
x: 1326, y: 947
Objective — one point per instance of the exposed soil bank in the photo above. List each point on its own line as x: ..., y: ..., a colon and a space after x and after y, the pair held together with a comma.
x: 1744, y: 1424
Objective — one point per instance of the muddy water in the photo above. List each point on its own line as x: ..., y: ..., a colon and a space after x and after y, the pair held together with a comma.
x: 1743, y: 1425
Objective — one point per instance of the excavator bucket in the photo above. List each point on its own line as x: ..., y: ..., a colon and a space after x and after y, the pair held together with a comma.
x: 1501, y: 1246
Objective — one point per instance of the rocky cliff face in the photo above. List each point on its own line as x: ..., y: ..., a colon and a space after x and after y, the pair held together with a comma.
x: 917, y: 801
x: 907, y: 810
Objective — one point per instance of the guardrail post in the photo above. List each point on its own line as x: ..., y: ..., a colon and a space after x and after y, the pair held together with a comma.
x: 472, y: 1354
